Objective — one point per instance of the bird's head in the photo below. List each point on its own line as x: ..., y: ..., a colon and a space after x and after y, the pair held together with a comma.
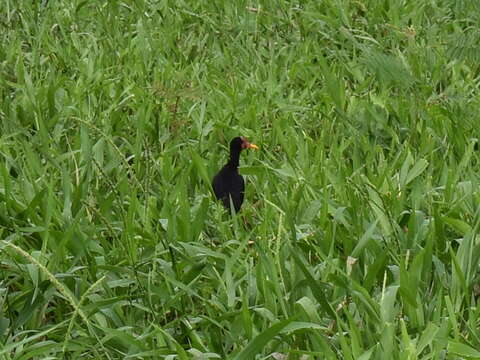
x: 239, y: 143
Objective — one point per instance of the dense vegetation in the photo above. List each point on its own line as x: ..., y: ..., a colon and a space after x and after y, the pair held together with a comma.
x: 359, y: 236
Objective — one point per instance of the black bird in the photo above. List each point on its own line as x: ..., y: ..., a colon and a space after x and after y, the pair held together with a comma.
x: 228, y: 183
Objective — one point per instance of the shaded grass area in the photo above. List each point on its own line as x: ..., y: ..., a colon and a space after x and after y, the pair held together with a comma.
x: 359, y: 235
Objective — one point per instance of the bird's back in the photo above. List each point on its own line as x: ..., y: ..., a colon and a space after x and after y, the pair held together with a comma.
x: 229, y: 184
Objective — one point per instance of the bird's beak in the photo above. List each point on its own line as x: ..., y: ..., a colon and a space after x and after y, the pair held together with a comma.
x: 247, y: 145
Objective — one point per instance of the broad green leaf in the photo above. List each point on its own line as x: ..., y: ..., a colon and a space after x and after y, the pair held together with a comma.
x: 418, y: 168
x: 387, y: 304
x: 427, y: 337
x: 296, y: 325
x: 461, y: 349
x: 366, y: 237
x: 256, y: 346
x: 367, y: 354
x: 461, y: 226
x: 313, y: 284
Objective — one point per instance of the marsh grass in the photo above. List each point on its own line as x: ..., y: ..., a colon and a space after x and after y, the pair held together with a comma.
x: 358, y: 238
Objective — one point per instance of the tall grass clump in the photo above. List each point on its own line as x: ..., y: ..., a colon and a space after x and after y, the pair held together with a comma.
x: 359, y: 236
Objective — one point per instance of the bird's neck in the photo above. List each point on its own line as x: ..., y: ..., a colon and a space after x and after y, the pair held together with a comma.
x: 234, y: 159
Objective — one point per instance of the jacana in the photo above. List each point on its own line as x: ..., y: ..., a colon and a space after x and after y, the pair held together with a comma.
x: 228, y: 185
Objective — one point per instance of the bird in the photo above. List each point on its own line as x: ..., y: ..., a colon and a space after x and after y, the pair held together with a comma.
x: 228, y: 183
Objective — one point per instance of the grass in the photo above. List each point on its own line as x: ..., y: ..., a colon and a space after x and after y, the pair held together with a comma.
x: 359, y: 237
